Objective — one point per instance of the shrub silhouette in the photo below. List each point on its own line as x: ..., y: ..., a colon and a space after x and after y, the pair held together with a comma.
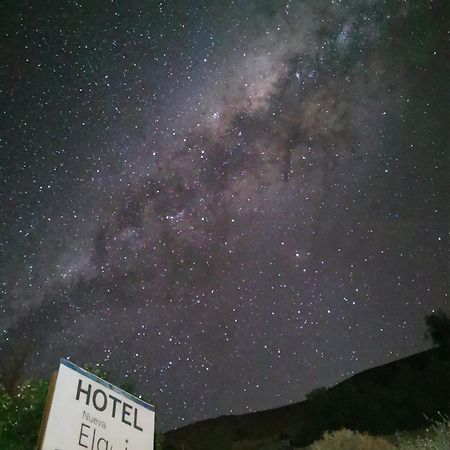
x: 438, y: 325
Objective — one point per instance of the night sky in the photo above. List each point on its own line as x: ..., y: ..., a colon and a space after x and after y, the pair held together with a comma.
x: 232, y: 203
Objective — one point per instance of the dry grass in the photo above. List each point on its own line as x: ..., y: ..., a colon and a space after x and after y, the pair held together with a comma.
x: 351, y: 440
x: 437, y: 437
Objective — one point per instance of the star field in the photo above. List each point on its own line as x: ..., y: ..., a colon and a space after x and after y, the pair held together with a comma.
x: 231, y: 203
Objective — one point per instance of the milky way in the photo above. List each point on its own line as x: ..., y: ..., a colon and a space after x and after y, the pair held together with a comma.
x: 231, y: 203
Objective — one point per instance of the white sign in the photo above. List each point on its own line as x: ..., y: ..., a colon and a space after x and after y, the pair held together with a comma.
x: 89, y: 413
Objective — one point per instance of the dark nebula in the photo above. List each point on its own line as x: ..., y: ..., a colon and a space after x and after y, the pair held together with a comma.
x: 232, y: 203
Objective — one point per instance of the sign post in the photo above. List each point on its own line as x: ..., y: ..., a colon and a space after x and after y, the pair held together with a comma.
x: 86, y: 412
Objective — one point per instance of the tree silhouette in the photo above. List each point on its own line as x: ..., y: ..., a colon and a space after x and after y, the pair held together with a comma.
x: 438, y: 324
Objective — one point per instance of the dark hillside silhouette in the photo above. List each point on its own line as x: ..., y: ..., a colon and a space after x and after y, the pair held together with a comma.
x: 402, y: 395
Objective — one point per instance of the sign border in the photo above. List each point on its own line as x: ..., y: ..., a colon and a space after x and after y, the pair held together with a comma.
x: 71, y: 365
x: 46, y: 413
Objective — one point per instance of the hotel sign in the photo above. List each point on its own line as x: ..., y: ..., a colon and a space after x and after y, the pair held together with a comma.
x: 86, y: 412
